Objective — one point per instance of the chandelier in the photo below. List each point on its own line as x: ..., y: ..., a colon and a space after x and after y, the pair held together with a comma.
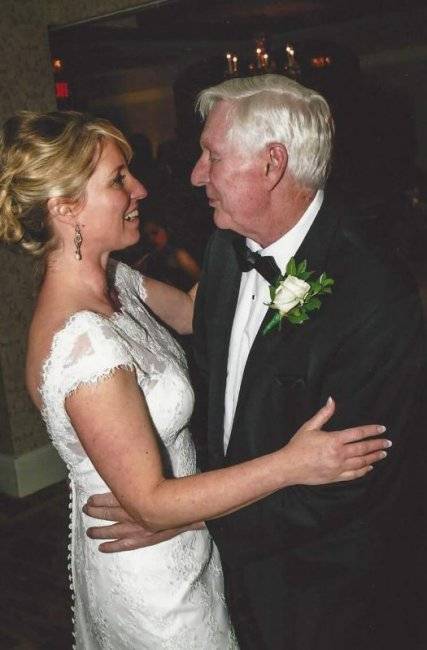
x: 282, y: 60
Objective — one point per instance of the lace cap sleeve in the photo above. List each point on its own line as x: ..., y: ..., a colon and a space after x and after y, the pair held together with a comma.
x: 87, y: 350
x: 127, y: 279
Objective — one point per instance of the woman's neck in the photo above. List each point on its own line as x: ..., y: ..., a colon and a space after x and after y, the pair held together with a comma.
x: 83, y: 282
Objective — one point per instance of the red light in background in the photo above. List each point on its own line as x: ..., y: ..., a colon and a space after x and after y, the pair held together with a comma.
x: 321, y: 61
x: 61, y: 90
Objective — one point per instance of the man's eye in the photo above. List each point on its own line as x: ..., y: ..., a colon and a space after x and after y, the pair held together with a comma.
x: 119, y: 179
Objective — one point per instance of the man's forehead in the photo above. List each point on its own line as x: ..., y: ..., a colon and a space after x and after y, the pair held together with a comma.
x: 217, y: 124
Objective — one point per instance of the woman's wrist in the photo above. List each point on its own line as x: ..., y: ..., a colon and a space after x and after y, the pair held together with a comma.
x: 287, y: 470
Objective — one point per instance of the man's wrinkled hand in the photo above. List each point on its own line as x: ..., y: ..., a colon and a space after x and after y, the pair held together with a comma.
x: 105, y: 506
x: 128, y: 537
x: 125, y: 534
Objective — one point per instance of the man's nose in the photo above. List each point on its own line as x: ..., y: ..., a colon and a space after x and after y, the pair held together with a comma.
x: 200, y: 173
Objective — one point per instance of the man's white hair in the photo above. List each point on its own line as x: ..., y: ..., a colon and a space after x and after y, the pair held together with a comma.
x: 272, y: 108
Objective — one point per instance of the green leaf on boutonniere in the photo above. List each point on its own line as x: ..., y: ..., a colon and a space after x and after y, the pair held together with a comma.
x: 297, y: 316
x: 274, y: 323
x: 301, y: 268
x: 306, y: 275
x: 312, y: 304
x: 291, y: 269
x: 328, y: 282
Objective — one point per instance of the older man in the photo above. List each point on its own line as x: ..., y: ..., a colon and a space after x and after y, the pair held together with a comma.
x: 308, y: 567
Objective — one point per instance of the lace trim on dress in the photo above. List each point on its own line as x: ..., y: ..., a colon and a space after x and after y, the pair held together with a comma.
x: 126, y: 279
x: 82, y: 348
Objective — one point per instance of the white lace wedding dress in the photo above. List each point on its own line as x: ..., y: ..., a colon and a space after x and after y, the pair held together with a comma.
x: 165, y: 596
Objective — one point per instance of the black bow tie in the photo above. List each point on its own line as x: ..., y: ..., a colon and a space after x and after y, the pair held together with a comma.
x: 248, y: 260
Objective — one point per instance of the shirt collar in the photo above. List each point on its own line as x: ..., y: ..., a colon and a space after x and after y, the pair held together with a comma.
x: 286, y: 247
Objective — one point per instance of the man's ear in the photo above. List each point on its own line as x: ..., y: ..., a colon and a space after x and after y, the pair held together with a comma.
x: 277, y: 162
x: 61, y: 210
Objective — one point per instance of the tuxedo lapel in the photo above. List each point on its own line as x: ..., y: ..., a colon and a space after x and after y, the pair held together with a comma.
x: 220, y: 328
x: 315, y: 248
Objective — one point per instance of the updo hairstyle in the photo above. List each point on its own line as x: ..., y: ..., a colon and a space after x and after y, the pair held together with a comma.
x: 46, y: 155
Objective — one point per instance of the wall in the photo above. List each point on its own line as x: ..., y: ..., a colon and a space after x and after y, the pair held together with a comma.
x: 26, y: 83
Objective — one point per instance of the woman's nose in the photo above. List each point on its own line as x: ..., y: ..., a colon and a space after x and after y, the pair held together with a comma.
x: 138, y: 190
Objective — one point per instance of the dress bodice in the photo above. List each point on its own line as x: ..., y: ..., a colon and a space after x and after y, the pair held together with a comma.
x: 90, y: 346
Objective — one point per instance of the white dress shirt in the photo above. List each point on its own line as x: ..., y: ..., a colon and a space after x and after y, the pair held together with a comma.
x: 252, y: 306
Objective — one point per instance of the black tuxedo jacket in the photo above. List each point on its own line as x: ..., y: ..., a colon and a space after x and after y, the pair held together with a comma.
x: 365, y: 347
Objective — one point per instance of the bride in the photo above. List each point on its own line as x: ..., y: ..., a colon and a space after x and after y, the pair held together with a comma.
x: 113, y: 389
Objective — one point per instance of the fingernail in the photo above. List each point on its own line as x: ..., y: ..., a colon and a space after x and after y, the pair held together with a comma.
x: 381, y: 428
x: 388, y: 443
x: 370, y: 468
x: 329, y: 401
x: 383, y: 454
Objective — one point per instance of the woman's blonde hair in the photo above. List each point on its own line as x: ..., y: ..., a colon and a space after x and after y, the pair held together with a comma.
x: 45, y: 155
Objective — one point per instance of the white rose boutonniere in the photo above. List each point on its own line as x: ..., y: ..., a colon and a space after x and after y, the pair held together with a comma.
x: 290, y: 293
x: 294, y: 295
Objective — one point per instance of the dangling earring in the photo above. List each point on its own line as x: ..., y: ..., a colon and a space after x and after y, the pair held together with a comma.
x: 77, y: 242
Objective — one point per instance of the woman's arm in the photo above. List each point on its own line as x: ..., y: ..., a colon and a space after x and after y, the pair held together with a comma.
x: 115, y: 428
x: 173, y: 306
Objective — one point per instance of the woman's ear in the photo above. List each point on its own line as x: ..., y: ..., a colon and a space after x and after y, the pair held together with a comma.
x: 61, y: 210
x: 277, y: 162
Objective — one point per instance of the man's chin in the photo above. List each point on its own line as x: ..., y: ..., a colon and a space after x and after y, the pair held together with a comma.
x: 221, y: 220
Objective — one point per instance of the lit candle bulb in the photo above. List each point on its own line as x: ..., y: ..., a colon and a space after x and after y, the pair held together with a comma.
x: 258, y: 57
x: 235, y: 59
x: 229, y: 63
x: 290, y: 52
x: 265, y: 60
